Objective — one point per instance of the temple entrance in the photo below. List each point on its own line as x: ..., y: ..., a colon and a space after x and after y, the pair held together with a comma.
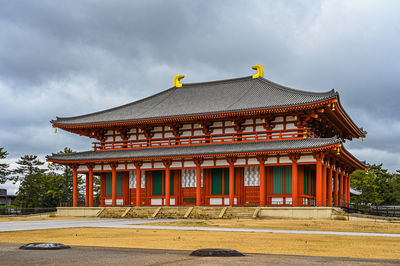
x: 158, y: 187
x: 220, y: 187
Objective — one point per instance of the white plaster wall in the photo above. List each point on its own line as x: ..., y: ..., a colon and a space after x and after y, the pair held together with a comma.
x: 229, y: 130
x: 306, y: 159
x: 176, y: 165
x: 240, y: 162
x: 271, y: 160
x: 222, y: 163
x: 253, y: 161
x: 285, y: 159
x: 290, y: 126
x: 121, y: 167
x: 189, y: 164
x: 208, y: 163
x: 146, y: 166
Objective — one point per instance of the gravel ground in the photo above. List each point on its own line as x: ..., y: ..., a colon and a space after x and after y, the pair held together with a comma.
x: 81, y: 255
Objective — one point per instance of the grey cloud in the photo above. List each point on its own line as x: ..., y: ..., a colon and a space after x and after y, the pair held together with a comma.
x: 73, y: 58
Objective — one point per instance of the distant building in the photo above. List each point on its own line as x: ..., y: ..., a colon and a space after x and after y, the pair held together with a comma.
x: 6, y: 199
x: 239, y: 142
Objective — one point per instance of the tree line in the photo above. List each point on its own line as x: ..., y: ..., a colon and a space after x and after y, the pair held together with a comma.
x: 41, y: 186
x: 49, y: 187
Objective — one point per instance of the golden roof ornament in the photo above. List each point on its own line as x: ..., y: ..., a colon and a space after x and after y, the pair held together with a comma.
x: 260, y: 71
x: 177, y: 82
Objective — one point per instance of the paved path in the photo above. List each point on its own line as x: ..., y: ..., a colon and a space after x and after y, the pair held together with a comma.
x: 137, y: 224
x: 79, y: 255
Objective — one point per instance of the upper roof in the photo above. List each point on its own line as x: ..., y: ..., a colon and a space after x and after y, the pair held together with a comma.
x: 221, y: 96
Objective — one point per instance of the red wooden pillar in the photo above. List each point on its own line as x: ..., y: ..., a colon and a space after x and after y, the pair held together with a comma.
x: 330, y: 186
x: 114, y: 184
x: 263, y: 180
x: 318, y: 181
x: 75, y: 186
x: 295, y: 199
x: 324, y: 168
x: 167, y: 164
x: 340, y: 189
x: 231, y: 161
x: 348, y: 188
x: 87, y: 190
x: 198, y: 163
x: 90, y: 167
x: 138, y: 181
x: 336, y: 198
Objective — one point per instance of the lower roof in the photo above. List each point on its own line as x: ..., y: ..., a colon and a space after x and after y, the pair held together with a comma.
x: 184, y: 151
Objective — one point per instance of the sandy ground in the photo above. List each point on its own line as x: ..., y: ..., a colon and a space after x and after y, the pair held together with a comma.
x: 270, y: 243
x: 82, y: 255
x: 308, y: 225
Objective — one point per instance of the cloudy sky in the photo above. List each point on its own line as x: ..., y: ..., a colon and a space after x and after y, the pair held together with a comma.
x: 74, y: 57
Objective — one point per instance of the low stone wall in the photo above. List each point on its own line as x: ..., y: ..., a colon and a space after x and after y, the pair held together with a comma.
x: 316, y: 213
x: 78, y: 211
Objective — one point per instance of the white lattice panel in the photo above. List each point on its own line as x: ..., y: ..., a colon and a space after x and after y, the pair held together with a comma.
x: 252, y: 176
x: 189, y: 178
x: 132, y: 179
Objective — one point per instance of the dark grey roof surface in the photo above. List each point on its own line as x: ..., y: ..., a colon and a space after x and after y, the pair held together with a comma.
x: 198, y: 150
x: 204, y: 98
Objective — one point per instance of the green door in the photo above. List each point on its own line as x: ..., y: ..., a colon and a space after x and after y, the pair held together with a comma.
x: 171, y: 182
x: 157, y: 183
x: 278, y: 180
x: 216, y: 181
x: 226, y: 182
x: 288, y: 181
x: 109, y: 184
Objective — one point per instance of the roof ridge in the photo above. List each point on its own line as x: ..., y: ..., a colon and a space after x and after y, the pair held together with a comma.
x: 216, y: 81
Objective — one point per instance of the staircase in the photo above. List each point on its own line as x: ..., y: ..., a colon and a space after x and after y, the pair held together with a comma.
x: 239, y: 213
x: 112, y: 212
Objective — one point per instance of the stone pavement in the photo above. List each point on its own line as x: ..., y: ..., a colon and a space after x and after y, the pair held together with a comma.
x: 136, y: 224
x: 80, y: 255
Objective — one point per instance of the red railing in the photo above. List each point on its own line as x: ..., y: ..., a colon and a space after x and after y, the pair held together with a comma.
x: 271, y: 135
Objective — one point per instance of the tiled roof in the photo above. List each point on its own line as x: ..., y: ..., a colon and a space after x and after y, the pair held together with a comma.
x: 204, y: 98
x: 266, y: 146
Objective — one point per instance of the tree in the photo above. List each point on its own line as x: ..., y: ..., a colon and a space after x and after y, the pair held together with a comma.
x: 30, y: 175
x: 4, y: 172
x: 67, y: 180
x: 377, y: 185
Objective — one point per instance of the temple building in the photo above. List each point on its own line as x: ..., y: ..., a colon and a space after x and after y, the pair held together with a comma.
x: 237, y: 142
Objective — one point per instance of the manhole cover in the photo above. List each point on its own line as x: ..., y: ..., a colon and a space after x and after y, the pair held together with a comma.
x: 216, y: 252
x: 44, y: 245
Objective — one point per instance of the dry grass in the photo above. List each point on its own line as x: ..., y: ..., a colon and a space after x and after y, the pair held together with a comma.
x: 308, y: 225
x: 317, y: 245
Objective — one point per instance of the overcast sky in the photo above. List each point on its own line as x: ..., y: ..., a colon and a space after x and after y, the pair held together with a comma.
x: 66, y: 58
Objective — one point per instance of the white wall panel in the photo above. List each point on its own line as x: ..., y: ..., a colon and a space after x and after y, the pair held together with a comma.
x: 306, y: 158
x: 222, y: 163
x: 253, y: 161
x: 271, y: 160
x: 240, y: 162
x: 285, y: 159
x: 208, y: 163
x: 189, y: 164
